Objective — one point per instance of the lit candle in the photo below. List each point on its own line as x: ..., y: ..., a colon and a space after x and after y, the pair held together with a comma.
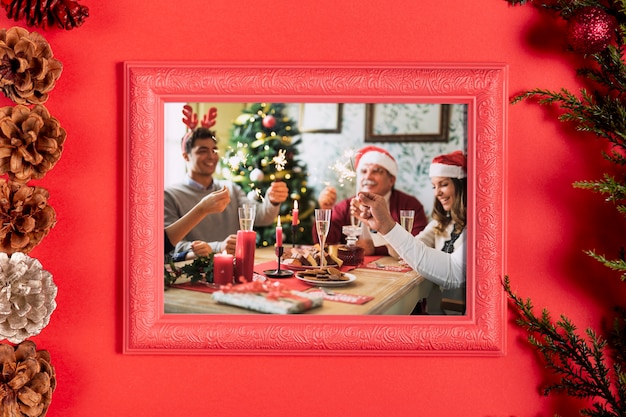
x: 223, y: 268
x: 279, y: 233
x: 294, y: 218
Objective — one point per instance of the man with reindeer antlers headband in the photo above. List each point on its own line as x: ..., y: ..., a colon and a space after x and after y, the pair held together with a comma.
x: 216, y: 232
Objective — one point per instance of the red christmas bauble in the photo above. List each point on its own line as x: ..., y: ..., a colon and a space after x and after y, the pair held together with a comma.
x: 269, y: 121
x: 590, y: 30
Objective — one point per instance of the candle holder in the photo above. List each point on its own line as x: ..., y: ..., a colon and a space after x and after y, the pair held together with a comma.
x: 278, y: 273
x: 294, y: 231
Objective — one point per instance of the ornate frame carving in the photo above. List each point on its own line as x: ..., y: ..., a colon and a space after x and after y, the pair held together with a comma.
x: 147, y: 330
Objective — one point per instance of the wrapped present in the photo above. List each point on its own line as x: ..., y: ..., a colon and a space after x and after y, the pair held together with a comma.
x: 268, y: 297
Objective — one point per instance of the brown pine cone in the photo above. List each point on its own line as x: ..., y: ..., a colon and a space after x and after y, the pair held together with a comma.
x: 25, y: 216
x: 65, y: 14
x: 28, y: 70
x: 31, y: 142
x: 27, y: 381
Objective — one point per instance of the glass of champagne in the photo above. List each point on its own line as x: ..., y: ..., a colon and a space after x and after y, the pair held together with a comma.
x: 247, y: 214
x: 322, y: 223
x: 406, y: 219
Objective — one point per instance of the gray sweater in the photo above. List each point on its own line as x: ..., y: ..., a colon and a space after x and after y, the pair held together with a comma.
x: 215, y: 227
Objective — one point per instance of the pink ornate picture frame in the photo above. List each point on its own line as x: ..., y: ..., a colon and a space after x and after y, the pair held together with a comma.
x: 148, y: 330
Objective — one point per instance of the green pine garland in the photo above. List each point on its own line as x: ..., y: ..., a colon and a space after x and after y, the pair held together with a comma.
x: 582, y: 363
x: 201, y: 269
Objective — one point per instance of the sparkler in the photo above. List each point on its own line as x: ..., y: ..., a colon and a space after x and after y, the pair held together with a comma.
x: 345, y: 168
x: 280, y: 160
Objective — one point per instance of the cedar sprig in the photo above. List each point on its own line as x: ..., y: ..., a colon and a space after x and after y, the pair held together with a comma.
x: 616, y: 264
x: 201, y: 269
x: 580, y: 363
x: 564, y: 8
x: 610, y: 70
x: 603, y: 116
x: 615, y: 190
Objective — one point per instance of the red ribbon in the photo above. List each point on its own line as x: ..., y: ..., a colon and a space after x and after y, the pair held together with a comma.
x: 273, y: 290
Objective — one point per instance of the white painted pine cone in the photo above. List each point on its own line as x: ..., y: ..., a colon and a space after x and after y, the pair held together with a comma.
x: 27, y: 297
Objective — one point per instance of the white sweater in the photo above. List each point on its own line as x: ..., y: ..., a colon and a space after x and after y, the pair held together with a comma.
x: 423, y: 253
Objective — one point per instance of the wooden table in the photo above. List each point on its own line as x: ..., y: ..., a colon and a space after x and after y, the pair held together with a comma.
x: 395, y: 293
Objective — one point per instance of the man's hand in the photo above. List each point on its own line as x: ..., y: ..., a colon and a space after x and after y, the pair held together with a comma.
x: 200, y: 248
x: 229, y: 244
x: 215, y: 202
x: 327, y: 198
x: 277, y: 193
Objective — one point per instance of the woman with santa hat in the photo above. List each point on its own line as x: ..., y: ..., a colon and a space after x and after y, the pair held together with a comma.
x: 376, y: 172
x: 438, y: 252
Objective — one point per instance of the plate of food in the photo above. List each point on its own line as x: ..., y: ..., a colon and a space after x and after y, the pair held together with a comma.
x: 294, y: 266
x: 308, y: 258
x: 325, y: 277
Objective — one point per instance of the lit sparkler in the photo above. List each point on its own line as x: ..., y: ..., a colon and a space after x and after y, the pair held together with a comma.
x: 345, y: 168
x: 235, y: 160
x: 280, y: 160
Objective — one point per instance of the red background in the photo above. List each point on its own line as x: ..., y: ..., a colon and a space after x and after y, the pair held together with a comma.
x: 549, y: 223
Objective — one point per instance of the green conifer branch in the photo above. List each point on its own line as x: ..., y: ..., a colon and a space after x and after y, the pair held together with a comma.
x: 580, y: 362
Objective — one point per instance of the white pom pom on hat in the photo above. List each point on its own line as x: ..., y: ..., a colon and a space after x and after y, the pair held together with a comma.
x: 378, y: 156
x: 452, y: 165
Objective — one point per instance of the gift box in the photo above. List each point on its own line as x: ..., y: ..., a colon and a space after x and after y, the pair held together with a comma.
x: 268, y: 297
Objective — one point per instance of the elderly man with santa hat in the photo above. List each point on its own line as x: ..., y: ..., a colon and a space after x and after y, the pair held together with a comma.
x: 376, y: 172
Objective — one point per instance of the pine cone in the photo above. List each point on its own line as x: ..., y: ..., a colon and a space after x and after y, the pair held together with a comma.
x: 66, y: 14
x: 28, y: 71
x: 27, y: 380
x: 31, y: 142
x: 28, y: 297
x: 25, y: 216
x: 69, y: 14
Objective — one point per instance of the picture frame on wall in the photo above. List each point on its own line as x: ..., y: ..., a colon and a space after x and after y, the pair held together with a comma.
x: 148, y: 329
x: 407, y: 122
x: 320, y: 117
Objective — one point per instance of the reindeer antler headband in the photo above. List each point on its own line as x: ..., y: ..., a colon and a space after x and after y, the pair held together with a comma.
x: 190, y: 120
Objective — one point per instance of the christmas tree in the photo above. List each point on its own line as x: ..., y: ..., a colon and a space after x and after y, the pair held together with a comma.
x: 591, y: 367
x: 262, y: 148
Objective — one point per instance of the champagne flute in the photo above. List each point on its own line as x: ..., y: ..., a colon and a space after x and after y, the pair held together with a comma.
x: 247, y: 214
x: 406, y: 219
x: 322, y: 223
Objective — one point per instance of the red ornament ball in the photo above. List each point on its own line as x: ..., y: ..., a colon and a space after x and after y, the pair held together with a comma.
x: 590, y: 30
x: 269, y: 121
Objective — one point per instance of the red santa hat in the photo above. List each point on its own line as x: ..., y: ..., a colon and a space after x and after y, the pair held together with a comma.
x: 378, y: 156
x: 452, y: 165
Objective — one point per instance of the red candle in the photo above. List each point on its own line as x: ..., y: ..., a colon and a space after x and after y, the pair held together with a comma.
x: 223, y: 268
x: 244, y: 255
x: 294, y: 219
x: 279, y: 233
